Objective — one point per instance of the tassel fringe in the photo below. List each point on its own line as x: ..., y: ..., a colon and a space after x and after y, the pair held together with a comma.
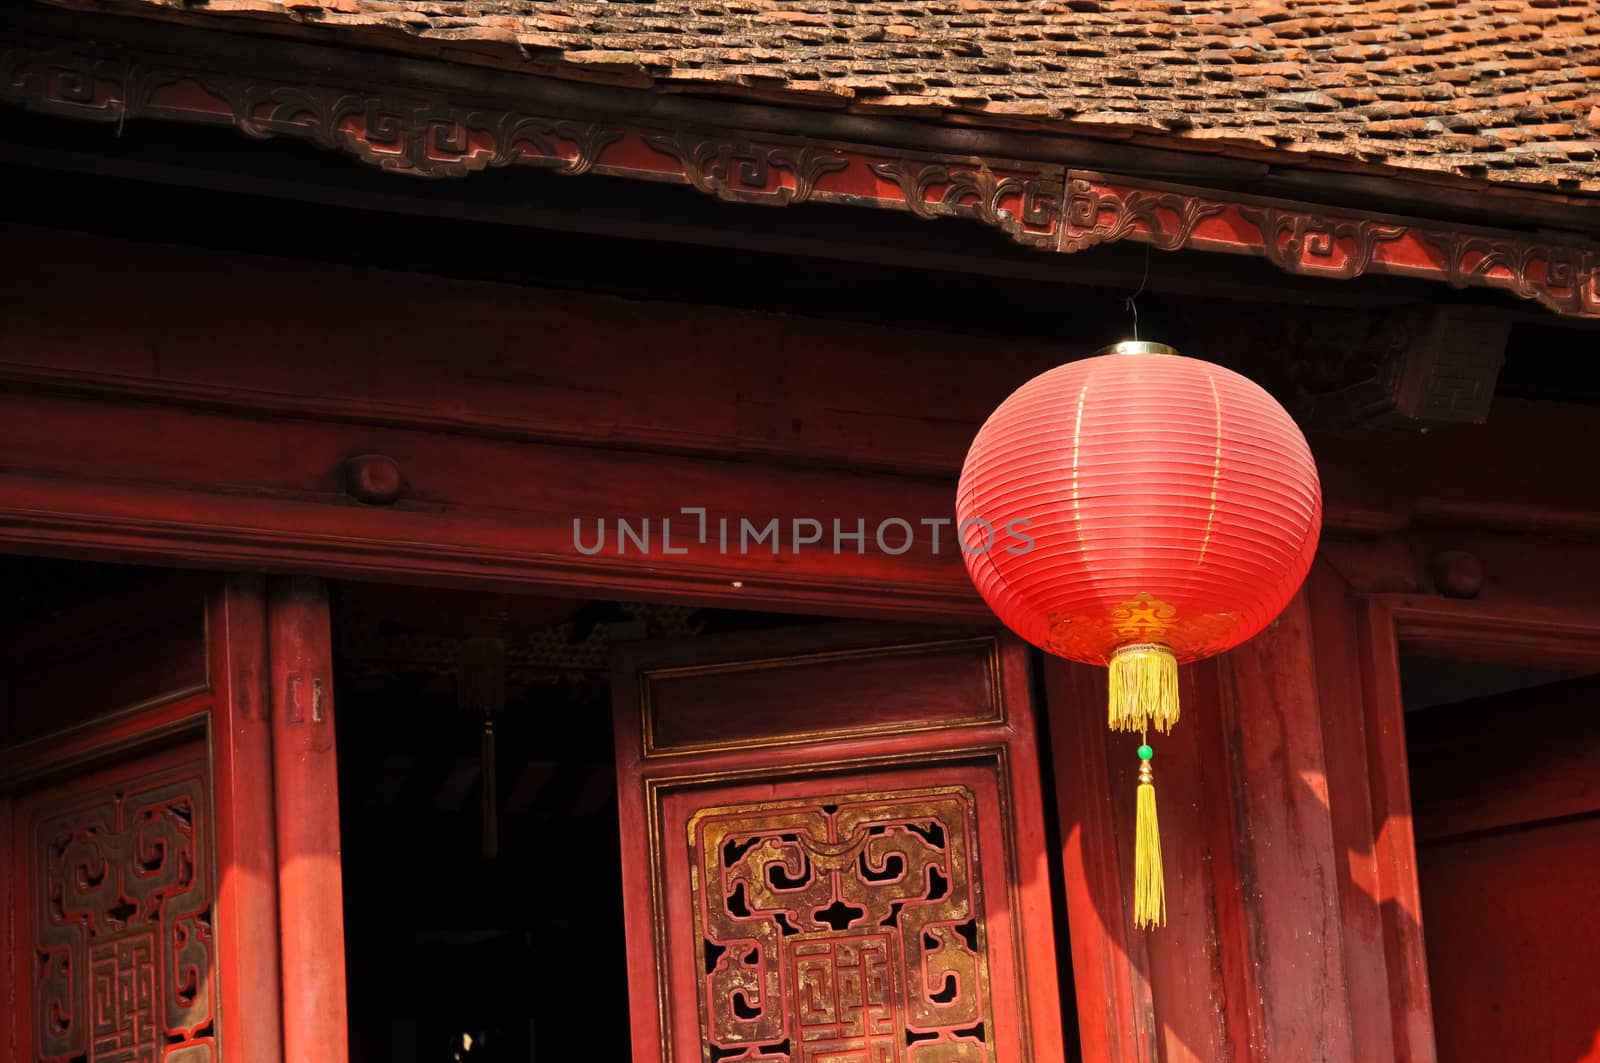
x: 1144, y: 688
x: 1149, y: 883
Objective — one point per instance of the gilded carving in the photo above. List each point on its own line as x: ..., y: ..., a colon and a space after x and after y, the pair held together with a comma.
x: 841, y: 929
x: 122, y: 926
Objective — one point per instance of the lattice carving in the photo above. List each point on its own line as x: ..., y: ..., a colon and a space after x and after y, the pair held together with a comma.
x: 122, y: 941
x: 842, y: 929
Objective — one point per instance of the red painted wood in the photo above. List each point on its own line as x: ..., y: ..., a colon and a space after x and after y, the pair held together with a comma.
x: 1299, y: 1006
x: 1275, y: 946
x: 1175, y: 993
x: 1513, y: 624
x: 1335, y: 636
x: 365, y: 346
x: 1511, y: 932
x: 231, y: 703
x: 142, y: 985
x: 86, y: 744
x: 268, y: 435
x: 720, y: 708
x: 1201, y: 1016
x: 1486, y: 765
x: 1508, y: 825
x: 1116, y: 1018
x: 134, y: 654
x: 306, y: 804
x: 1042, y: 205
x: 1394, y: 844
x: 239, y: 462
x: 247, y: 889
x: 481, y: 511
x: 995, y: 759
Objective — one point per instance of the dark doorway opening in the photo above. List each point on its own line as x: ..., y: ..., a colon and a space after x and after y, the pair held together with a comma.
x: 468, y: 943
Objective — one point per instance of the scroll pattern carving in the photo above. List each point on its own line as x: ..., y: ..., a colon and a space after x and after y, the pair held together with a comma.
x: 394, y: 130
x: 743, y: 172
x: 1025, y: 206
x: 846, y: 930
x: 417, y: 131
x: 122, y: 940
x: 1565, y: 278
x: 1297, y: 242
x: 1100, y: 216
x: 1298, y: 238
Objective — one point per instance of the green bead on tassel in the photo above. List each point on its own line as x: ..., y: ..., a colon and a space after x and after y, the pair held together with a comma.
x: 1149, y: 885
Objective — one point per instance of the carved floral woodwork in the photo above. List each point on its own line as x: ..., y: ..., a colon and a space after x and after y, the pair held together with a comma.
x: 418, y: 130
x: 843, y: 928
x: 122, y: 923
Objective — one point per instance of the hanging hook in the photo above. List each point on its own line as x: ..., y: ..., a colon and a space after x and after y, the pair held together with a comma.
x: 1131, y: 302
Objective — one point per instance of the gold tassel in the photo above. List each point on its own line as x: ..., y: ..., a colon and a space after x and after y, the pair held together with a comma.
x: 1149, y: 885
x: 1144, y: 688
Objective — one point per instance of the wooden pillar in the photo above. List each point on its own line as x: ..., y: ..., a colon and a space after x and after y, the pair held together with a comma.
x: 1275, y: 949
x: 1285, y: 920
x: 1116, y: 1018
x: 247, y: 887
x: 306, y: 800
x: 1167, y: 995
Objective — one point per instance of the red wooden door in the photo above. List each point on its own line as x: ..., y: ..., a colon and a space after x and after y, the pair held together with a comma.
x: 1507, y: 813
x: 157, y: 888
x: 834, y: 850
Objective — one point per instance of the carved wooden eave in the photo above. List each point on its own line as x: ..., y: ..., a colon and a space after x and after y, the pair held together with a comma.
x: 408, y: 128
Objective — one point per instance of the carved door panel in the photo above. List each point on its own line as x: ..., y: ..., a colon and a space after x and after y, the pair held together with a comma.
x: 144, y: 914
x: 833, y: 850
x: 117, y: 870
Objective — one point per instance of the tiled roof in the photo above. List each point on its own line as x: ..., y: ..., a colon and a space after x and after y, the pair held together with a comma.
x: 1503, y: 90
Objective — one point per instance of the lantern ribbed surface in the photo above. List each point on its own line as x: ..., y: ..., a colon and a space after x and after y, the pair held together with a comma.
x: 1168, y: 501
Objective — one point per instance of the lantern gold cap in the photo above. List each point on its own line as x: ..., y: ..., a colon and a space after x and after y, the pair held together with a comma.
x: 1137, y: 347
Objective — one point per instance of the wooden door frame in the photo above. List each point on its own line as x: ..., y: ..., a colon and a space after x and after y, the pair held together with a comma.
x: 1489, y: 632
x: 277, y: 922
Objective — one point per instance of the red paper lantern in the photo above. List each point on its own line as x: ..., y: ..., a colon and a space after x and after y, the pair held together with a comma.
x: 1139, y: 509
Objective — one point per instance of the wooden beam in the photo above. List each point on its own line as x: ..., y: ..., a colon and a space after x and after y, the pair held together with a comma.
x: 370, y: 347
x: 208, y: 432
x: 361, y: 346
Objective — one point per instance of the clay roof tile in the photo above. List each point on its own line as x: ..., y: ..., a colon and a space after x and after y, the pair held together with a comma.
x: 1508, y: 89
